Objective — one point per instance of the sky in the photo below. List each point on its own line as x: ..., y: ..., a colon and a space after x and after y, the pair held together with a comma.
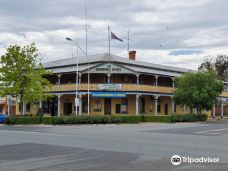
x: 171, y: 32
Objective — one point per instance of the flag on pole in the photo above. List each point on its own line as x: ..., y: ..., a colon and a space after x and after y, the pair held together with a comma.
x: 113, y: 36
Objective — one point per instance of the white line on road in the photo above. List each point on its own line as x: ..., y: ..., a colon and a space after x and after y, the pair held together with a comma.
x: 208, y: 131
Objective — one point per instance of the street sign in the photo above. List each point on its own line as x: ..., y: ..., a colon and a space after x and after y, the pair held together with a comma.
x: 77, y: 102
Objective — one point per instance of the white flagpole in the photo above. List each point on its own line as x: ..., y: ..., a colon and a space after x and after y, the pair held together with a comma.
x: 86, y: 51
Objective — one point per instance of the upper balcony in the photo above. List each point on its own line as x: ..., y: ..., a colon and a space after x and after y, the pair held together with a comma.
x: 116, y: 82
x: 111, y: 87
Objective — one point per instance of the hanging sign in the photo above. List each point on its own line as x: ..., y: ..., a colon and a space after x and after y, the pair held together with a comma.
x: 109, y: 87
x: 109, y: 94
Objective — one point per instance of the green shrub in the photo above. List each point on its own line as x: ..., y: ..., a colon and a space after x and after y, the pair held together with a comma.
x: 24, y: 120
x: 106, y: 119
x: 189, y: 117
x: 48, y: 120
x: 158, y: 118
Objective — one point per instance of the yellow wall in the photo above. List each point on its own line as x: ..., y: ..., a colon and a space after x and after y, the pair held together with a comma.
x: 33, y: 109
x: 149, y: 105
x: 131, y: 104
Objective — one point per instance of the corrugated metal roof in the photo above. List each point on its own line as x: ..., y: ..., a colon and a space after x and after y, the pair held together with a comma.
x: 139, y: 66
x: 153, y: 71
x: 67, y: 69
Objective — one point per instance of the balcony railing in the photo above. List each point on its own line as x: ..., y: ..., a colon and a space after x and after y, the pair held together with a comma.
x: 123, y: 87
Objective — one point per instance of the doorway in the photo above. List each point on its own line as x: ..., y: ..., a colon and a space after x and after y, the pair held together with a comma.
x: 166, y: 109
x: 67, y: 108
x: 107, y: 106
x: 142, y: 105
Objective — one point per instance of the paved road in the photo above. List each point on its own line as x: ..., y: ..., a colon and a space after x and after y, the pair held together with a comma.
x: 112, y: 147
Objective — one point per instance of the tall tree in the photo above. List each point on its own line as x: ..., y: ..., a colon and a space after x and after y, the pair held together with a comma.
x: 198, y: 90
x: 21, y: 74
x: 218, y: 64
x: 207, y: 64
x: 221, y: 66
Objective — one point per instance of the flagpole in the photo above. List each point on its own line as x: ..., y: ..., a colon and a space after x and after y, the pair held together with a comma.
x: 109, y: 50
x: 86, y: 51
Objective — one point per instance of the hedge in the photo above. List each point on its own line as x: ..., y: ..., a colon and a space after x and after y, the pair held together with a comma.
x: 158, y: 118
x: 107, y: 119
x: 189, y: 117
x: 24, y: 120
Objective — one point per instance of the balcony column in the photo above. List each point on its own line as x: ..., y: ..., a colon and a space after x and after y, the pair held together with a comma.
x: 23, y: 107
x: 173, y: 105
x: 79, y: 78
x: 156, y: 80
x: 40, y: 107
x: 80, y: 104
x: 59, y: 79
x: 156, y: 105
x: 173, y: 82
x: 137, y: 104
x: 59, y: 96
x: 222, y: 108
x: 109, y: 75
x: 137, y: 76
x: 59, y: 105
x: 213, y: 111
x: 185, y: 109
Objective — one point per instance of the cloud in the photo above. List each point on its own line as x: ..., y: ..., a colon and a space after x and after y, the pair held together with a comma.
x: 172, y: 32
x: 184, y: 52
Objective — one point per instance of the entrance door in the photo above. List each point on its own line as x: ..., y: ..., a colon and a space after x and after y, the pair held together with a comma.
x: 107, y: 106
x: 166, y: 109
x: 67, y: 108
x: 142, y: 105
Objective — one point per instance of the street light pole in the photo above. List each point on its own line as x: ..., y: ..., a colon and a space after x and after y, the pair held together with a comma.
x: 76, y: 43
x: 76, y: 99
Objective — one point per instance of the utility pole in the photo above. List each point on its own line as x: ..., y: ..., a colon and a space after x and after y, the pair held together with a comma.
x: 86, y: 52
x: 109, y: 42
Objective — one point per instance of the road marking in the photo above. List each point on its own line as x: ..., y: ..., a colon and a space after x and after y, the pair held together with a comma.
x: 17, y: 131
x: 213, y: 130
x: 214, y: 133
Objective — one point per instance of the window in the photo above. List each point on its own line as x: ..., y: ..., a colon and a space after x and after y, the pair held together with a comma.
x: 118, y: 108
x: 84, y: 105
x: 97, y: 106
x: 28, y: 107
x: 159, y: 108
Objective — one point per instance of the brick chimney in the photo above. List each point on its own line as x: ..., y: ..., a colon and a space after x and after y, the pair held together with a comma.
x: 132, y: 54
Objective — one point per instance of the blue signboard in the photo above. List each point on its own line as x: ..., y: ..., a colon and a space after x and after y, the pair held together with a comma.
x: 109, y: 94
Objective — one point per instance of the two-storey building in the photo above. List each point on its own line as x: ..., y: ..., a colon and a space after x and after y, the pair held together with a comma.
x: 117, y: 85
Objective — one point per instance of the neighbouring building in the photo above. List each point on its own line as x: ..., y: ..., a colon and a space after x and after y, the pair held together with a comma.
x: 117, y: 85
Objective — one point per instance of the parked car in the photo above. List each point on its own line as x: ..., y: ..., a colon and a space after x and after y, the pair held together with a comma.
x: 3, y: 118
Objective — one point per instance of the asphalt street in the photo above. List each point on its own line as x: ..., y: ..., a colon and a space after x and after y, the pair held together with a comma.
x: 113, y: 147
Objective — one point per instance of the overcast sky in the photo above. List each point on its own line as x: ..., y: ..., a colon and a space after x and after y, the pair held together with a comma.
x: 172, y: 32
